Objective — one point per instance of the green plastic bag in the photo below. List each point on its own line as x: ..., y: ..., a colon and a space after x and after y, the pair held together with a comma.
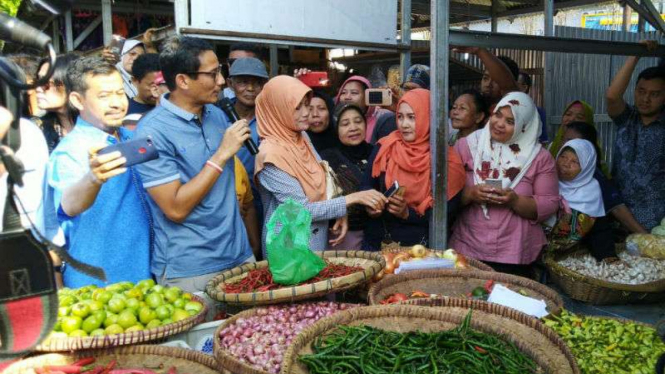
x: 289, y: 258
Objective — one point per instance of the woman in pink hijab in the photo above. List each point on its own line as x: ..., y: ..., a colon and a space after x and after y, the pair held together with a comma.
x: 380, y: 122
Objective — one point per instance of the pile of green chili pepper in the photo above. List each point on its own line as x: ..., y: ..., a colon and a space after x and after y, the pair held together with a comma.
x: 364, y: 349
x: 608, y: 346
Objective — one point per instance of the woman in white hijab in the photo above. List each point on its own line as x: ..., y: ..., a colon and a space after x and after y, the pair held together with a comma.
x: 130, y: 51
x: 511, y: 186
x: 582, y: 213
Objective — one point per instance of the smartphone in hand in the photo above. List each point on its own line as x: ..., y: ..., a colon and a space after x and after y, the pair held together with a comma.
x: 378, y: 97
x: 392, y: 190
x: 136, y: 151
x: 497, y: 184
x: 315, y: 79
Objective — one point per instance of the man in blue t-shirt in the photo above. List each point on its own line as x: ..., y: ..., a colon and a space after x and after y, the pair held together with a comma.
x: 99, y: 202
x: 198, y: 228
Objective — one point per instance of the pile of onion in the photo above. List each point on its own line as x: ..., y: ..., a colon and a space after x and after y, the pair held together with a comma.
x: 262, y: 339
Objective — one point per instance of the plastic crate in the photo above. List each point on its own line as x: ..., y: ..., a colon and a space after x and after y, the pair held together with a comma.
x: 199, y: 338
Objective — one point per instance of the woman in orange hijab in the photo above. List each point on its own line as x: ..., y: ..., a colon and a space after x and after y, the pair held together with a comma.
x: 404, y: 157
x: 288, y: 167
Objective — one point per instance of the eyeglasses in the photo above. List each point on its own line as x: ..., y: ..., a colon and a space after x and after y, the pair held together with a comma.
x: 212, y: 74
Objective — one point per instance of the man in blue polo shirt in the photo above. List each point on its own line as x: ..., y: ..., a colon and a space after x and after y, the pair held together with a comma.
x: 99, y: 202
x: 198, y: 228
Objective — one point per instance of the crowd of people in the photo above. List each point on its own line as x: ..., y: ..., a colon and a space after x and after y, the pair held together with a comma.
x: 201, y: 207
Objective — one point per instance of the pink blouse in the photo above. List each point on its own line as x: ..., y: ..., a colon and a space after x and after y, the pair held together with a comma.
x: 506, y: 237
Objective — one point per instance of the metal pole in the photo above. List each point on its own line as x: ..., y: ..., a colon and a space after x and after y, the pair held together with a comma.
x: 405, y: 33
x: 549, y: 59
x: 641, y: 22
x: 181, y: 11
x: 495, y: 16
x: 627, y: 18
x: 107, y: 21
x: 55, y: 28
x: 274, y: 60
x: 69, y: 32
x: 439, y: 54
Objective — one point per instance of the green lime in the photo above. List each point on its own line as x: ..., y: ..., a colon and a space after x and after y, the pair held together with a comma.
x: 180, y: 314
x: 66, y: 300
x: 146, y: 283
x: 167, y: 321
x: 127, y: 319
x: 95, y: 305
x: 104, y: 297
x: 116, y: 305
x: 180, y: 303
x: 193, y: 306
x: 187, y: 296
x: 114, y: 329
x: 132, y: 304
x: 152, y: 324
x: 158, y: 288
x: 163, y: 312
x: 80, y: 310
x: 172, y: 294
x: 91, y: 323
x: 78, y: 334
x: 70, y: 324
x: 154, y: 300
x: 64, y: 311
x: 135, y: 293
x: 114, y: 288
x: 111, y: 319
x: 135, y: 328
x: 57, y: 326
x: 146, y: 315
x: 100, y: 314
x: 97, y: 332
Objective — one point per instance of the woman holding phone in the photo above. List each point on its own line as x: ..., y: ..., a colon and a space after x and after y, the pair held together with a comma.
x: 511, y: 186
x: 404, y: 157
x: 288, y: 167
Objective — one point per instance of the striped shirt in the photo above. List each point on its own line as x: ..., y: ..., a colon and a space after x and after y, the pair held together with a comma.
x: 276, y: 186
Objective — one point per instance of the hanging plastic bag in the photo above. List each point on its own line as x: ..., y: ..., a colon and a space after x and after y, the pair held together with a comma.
x: 287, y: 244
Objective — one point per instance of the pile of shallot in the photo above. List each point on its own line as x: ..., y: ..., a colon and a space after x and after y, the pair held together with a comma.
x: 630, y: 270
x: 261, y: 340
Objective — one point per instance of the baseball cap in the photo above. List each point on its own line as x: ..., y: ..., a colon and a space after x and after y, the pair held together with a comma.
x: 248, y: 66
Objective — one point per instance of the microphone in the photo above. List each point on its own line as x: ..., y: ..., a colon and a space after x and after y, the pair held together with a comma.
x: 16, y: 31
x: 226, y: 105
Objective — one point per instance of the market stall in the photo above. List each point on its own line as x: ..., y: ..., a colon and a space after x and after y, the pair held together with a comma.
x: 456, y: 317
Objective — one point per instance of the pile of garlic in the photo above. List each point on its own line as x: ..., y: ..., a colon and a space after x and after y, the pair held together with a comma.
x: 631, y: 270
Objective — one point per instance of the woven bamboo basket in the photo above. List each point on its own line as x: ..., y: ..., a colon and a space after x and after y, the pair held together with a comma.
x: 229, y: 362
x: 473, y: 263
x: 156, y: 358
x: 530, y: 335
x: 371, y: 262
x: 458, y: 283
x: 597, y: 291
x: 136, y: 337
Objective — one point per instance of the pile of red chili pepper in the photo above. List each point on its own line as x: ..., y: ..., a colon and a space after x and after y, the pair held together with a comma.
x: 86, y: 366
x: 260, y: 280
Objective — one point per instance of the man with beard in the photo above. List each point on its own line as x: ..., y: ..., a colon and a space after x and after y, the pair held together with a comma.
x: 639, y: 151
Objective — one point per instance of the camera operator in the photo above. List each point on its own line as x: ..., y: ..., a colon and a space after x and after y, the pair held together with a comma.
x: 99, y: 202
